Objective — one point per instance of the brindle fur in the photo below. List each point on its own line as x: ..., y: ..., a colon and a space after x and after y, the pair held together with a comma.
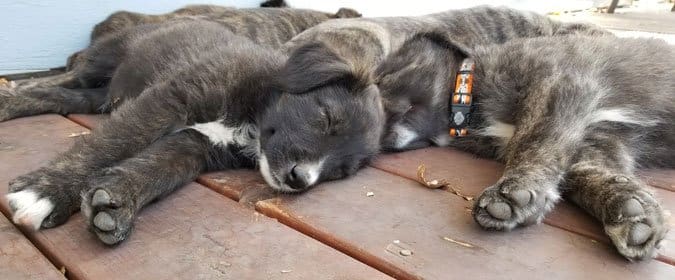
x: 79, y: 90
x: 353, y: 48
x: 586, y: 112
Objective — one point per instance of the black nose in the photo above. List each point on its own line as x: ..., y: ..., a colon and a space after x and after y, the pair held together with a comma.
x: 297, y: 178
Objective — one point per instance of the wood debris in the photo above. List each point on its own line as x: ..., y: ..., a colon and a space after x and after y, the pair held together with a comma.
x: 468, y: 245
x: 78, y: 134
x: 4, y: 82
x: 405, y: 252
x: 436, y: 184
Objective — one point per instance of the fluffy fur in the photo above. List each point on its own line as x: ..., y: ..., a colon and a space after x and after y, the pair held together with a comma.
x: 569, y: 115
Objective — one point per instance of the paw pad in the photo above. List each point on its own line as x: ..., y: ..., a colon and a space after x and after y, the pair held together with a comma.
x: 639, y: 234
x: 101, y: 198
x: 104, y: 221
x: 632, y: 208
x: 499, y: 210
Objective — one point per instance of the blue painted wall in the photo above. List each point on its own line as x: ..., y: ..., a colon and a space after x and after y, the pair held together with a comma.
x: 40, y: 34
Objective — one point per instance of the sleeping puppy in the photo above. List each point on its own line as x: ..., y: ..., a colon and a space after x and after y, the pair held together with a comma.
x: 123, y: 20
x: 216, y: 105
x: 84, y: 89
x: 337, y: 59
x: 574, y: 113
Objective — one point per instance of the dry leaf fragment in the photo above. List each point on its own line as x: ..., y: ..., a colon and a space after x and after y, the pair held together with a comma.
x: 77, y: 134
x: 458, y: 242
x: 436, y: 184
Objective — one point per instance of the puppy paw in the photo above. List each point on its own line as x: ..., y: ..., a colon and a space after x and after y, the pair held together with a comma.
x: 514, y: 202
x: 36, y: 202
x: 109, y: 216
x: 634, y: 222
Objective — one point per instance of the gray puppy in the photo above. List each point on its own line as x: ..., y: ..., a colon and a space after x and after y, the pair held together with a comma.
x: 200, y: 113
x: 568, y: 115
x: 339, y: 58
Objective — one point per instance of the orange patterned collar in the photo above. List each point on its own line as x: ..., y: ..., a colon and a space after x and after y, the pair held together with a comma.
x: 461, y: 99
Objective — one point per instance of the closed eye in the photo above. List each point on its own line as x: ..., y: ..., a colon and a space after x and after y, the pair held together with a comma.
x: 327, y: 120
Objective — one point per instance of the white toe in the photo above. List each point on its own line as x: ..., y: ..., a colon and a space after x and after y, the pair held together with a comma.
x: 29, y: 210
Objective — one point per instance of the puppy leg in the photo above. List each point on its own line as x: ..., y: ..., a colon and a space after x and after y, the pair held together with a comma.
x: 548, y: 129
x: 57, y: 100
x: 115, y: 198
x: 602, y: 182
x: 58, y: 185
x: 67, y: 80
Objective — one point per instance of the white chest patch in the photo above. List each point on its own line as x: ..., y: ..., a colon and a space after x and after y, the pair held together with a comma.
x: 219, y: 134
x: 499, y: 130
x: 404, y: 136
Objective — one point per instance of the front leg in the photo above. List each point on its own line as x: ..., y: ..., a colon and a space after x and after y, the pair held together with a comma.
x: 48, y: 196
x: 602, y: 182
x: 120, y: 192
x: 546, y: 134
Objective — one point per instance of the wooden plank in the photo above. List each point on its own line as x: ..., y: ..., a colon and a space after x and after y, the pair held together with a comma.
x: 245, y: 185
x: 193, y: 233
x: 441, y: 236
x: 19, y: 259
x: 28, y: 143
x: 660, y: 178
x: 196, y: 233
x: 472, y: 175
x: 88, y: 120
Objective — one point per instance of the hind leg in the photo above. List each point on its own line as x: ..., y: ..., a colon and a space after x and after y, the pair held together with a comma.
x: 51, y: 100
x: 68, y: 80
x: 602, y: 182
x: 48, y: 196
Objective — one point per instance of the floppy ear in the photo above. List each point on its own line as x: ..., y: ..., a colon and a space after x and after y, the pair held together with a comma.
x: 444, y: 40
x: 314, y: 65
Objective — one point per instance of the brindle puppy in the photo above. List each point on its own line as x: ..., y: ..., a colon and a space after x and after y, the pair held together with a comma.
x: 354, y: 47
x: 123, y: 20
x: 84, y: 89
x: 568, y: 115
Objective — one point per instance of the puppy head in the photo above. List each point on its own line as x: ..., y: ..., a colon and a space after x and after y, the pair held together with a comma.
x: 415, y: 83
x: 325, y: 126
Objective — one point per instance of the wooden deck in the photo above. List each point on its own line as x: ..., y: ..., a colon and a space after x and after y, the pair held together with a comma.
x: 228, y: 225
